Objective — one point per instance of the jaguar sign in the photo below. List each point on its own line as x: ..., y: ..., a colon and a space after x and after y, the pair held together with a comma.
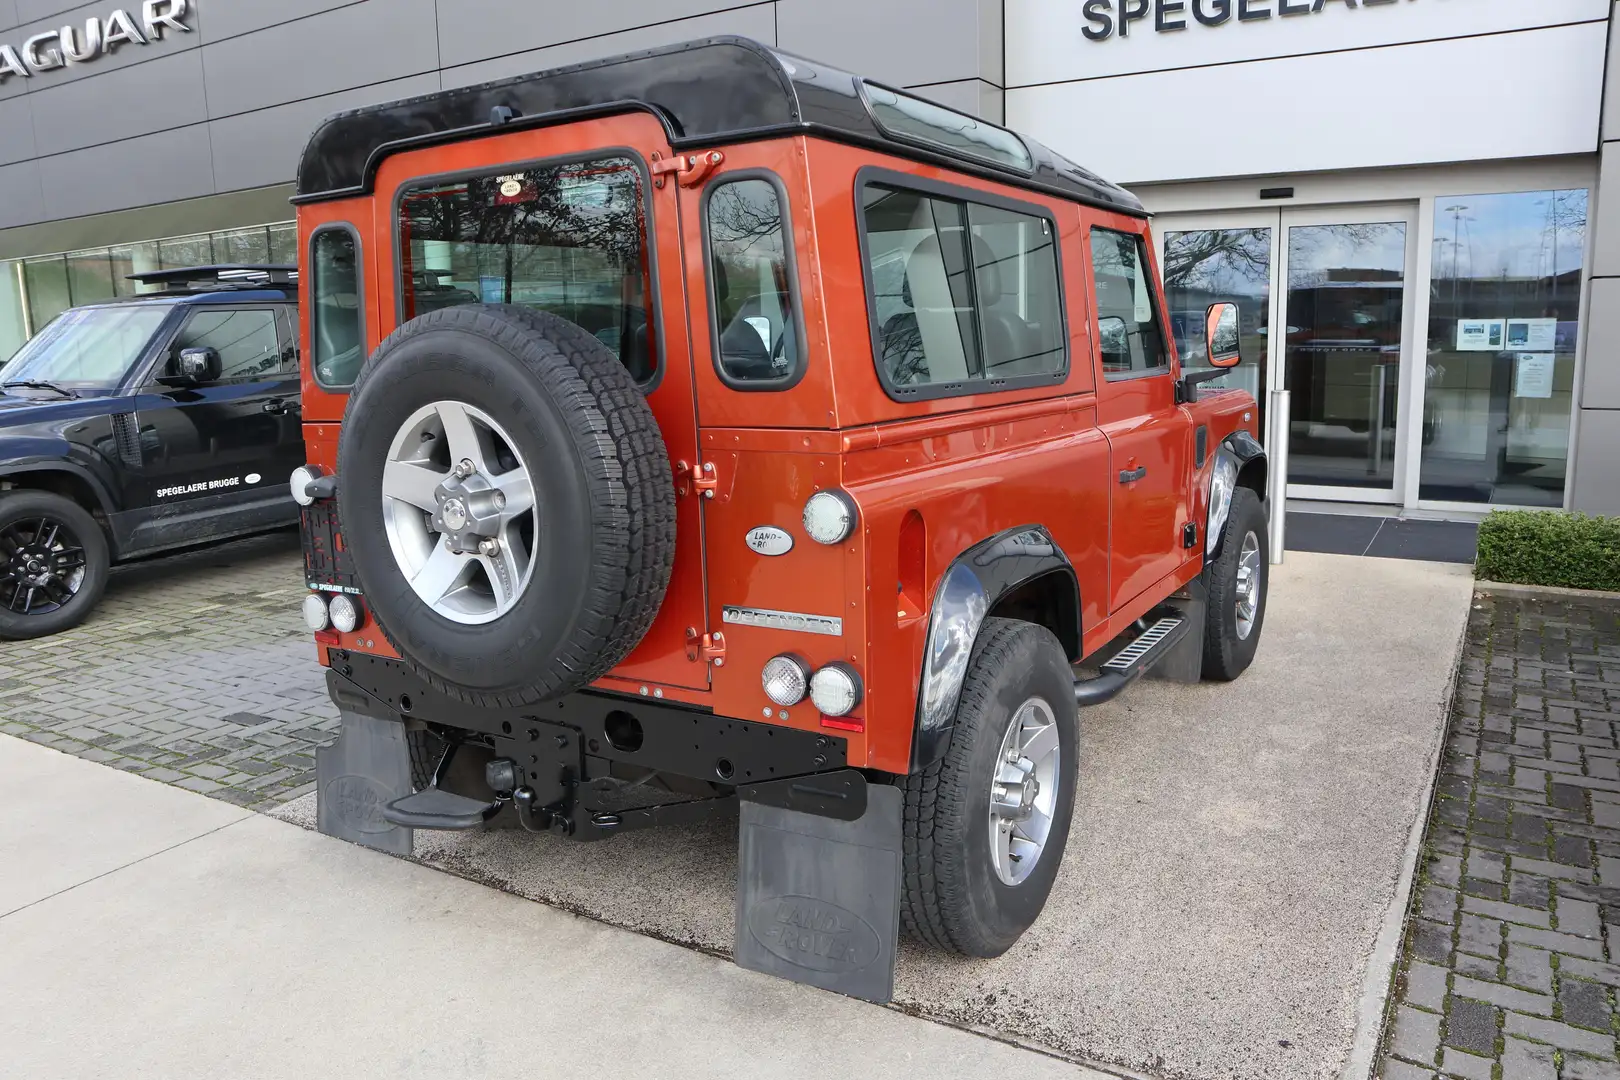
x: 52, y: 49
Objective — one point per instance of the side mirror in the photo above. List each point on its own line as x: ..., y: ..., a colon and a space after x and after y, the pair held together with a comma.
x: 198, y: 365
x: 1221, y: 336
x: 1221, y: 350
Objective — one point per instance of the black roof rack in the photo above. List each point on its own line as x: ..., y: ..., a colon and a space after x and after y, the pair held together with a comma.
x: 718, y: 90
x: 224, y: 276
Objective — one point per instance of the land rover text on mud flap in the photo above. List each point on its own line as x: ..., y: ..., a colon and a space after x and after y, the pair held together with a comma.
x: 140, y: 425
x: 708, y: 426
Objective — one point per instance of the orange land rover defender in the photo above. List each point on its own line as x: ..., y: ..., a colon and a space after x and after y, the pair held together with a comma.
x: 708, y: 427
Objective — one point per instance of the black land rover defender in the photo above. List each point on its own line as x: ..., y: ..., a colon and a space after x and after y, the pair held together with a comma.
x: 142, y: 425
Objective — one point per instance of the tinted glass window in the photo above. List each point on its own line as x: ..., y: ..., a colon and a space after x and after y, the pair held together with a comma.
x: 86, y: 347
x: 247, y: 342
x: 568, y: 239
x: 337, y: 335
x: 962, y: 292
x: 1129, y: 337
x: 752, y: 283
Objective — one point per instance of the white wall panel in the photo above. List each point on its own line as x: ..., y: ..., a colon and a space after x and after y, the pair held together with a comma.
x: 1045, y: 42
x: 1530, y: 94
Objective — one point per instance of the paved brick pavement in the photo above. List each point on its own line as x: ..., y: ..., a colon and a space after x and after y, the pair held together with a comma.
x: 1512, y: 950
x: 196, y: 670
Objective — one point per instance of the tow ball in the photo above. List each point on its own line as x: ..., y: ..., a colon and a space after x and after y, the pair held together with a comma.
x: 505, y: 778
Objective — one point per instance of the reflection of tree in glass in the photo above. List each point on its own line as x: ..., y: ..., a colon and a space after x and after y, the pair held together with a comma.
x: 745, y: 215
x: 1194, y: 260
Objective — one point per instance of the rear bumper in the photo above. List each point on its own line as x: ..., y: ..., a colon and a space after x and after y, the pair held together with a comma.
x: 581, y: 737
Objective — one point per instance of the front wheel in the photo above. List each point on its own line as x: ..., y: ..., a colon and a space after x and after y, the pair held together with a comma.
x: 1238, y: 582
x: 54, y: 563
x: 985, y: 827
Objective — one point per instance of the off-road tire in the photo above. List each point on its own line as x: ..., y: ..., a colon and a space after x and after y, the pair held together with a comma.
x: 19, y: 505
x: 1226, y: 655
x: 604, y: 491
x: 951, y: 897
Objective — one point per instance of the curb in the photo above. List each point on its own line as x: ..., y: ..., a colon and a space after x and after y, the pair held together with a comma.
x: 1503, y: 588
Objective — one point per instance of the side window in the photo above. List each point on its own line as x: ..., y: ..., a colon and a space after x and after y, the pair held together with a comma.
x: 246, y: 339
x: 336, y: 330
x: 569, y: 239
x: 754, y: 302
x: 1129, y: 337
x: 963, y: 293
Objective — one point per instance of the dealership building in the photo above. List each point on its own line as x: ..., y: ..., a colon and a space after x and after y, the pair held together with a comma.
x: 1416, y: 203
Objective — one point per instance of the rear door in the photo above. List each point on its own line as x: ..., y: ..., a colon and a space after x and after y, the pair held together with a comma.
x: 1148, y: 432
x: 569, y: 219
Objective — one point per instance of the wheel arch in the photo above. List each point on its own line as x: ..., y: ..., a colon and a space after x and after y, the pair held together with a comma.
x: 1021, y: 574
x: 64, y: 478
x: 1239, y: 462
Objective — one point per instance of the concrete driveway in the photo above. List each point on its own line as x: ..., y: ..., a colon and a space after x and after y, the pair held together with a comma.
x: 1231, y: 899
x: 153, y: 932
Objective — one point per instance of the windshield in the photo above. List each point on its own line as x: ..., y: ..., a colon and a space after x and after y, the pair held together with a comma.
x: 86, y: 347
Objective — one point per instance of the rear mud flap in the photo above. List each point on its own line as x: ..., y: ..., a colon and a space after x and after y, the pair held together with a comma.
x: 366, y: 769
x: 818, y: 900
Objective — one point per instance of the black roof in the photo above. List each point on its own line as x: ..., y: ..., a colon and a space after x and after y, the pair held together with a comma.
x: 222, y: 276
x: 718, y: 90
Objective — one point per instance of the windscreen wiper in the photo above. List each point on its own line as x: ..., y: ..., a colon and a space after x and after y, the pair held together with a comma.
x: 38, y: 384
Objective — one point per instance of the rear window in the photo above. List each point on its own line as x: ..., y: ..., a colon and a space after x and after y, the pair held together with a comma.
x: 568, y: 239
x: 757, y: 344
x: 965, y: 295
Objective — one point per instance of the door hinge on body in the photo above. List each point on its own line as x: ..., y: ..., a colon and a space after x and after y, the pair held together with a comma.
x: 702, y: 480
x: 1189, y: 535
x: 689, y: 169
x: 705, y: 648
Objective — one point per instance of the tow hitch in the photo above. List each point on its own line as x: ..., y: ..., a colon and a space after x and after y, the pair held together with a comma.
x: 435, y: 808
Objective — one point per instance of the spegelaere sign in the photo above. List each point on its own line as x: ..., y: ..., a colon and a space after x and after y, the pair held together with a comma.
x: 1108, y: 18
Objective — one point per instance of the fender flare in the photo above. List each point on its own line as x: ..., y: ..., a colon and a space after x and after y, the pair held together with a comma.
x: 967, y: 592
x: 104, y: 501
x: 1237, y: 452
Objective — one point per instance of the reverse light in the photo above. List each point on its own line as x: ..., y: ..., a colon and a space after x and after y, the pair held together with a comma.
x: 346, y: 613
x: 835, y: 690
x: 829, y: 517
x: 316, y: 616
x: 302, y: 477
x: 786, y: 679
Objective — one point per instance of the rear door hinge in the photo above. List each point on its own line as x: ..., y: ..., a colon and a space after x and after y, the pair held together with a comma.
x: 708, y: 648
x: 703, y: 480
x: 689, y: 169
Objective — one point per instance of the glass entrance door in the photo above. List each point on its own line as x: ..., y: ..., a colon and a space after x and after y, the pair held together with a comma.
x: 1340, y: 349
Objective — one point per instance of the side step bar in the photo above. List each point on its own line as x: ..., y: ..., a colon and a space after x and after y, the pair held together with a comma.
x: 435, y: 808
x: 1127, y: 665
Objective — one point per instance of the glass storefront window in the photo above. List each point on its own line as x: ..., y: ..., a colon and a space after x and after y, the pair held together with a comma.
x: 1503, y: 325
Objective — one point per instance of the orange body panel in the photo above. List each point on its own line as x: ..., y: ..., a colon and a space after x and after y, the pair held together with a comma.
x: 931, y: 477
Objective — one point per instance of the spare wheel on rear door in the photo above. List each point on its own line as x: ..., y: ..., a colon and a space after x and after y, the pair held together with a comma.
x: 506, y: 499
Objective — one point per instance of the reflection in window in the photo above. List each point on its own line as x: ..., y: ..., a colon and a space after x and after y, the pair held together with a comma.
x: 1503, y: 325
x: 335, y: 326
x: 246, y: 340
x: 962, y: 291
x: 750, y: 279
x: 907, y: 116
x: 567, y: 239
x: 1128, y: 328
x: 88, y: 347
x: 1220, y: 266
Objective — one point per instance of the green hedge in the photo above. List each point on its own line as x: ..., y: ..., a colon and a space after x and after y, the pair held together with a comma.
x: 1572, y: 551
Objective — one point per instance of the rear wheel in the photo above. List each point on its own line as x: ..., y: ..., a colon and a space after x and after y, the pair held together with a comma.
x: 985, y: 827
x: 54, y: 563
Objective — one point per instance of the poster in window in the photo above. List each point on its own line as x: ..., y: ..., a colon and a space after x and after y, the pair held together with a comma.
x: 1532, y: 335
x: 1480, y: 335
x: 1533, y: 375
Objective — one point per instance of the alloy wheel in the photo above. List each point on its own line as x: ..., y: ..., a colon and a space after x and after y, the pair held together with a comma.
x: 42, y: 566
x: 459, y: 511
x: 1248, y: 585
x: 1024, y: 791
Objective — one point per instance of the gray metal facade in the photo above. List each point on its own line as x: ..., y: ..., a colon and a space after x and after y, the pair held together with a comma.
x: 225, y: 107
x: 1595, y: 457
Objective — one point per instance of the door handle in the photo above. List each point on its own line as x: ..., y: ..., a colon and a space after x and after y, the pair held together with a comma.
x: 281, y: 406
x: 1131, y: 476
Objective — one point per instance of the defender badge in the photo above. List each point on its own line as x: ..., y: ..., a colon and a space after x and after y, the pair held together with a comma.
x: 768, y: 540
